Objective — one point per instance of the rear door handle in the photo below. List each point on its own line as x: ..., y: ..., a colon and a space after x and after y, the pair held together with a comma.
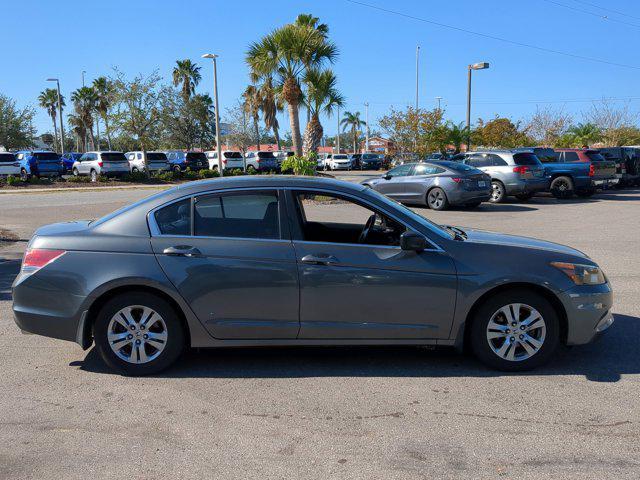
x: 319, y: 259
x: 182, y: 251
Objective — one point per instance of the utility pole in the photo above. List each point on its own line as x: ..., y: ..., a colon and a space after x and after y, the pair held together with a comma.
x: 366, y: 121
x: 215, y: 100
x: 417, y: 70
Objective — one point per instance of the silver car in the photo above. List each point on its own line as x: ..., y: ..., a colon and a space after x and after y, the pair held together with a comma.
x: 518, y: 174
x: 282, y: 261
x: 108, y: 163
x: 156, y: 161
x: 436, y: 185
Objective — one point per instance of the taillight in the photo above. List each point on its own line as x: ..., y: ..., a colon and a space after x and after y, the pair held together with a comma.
x: 521, y: 169
x: 100, y: 164
x: 592, y: 170
x: 457, y: 179
x: 36, y: 258
x: 224, y: 161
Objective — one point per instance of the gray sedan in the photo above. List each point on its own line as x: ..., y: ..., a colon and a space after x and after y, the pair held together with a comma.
x: 247, y: 261
x: 434, y: 184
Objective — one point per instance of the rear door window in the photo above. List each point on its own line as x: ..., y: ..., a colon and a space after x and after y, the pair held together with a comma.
x: 237, y: 215
x: 174, y: 219
x: 570, y: 156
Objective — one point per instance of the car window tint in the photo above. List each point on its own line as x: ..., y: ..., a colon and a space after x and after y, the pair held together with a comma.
x: 246, y: 215
x: 6, y: 157
x: 334, y: 219
x: 525, y: 159
x: 400, y: 171
x: 571, y: 157
x: 174, y: 219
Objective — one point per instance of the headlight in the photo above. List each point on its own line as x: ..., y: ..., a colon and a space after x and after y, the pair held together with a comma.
x: 581, y: 274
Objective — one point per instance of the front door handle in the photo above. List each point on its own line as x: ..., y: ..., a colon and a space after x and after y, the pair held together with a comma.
x: 320, y: 259
x: 182, y: 251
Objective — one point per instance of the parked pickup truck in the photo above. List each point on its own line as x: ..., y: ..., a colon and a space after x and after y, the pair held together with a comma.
x: 576, y: 171
x: 628, y: 163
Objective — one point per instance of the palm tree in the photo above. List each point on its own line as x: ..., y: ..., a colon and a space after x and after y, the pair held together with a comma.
x: 251, y: 105
x: 585, y: 134
x: 186, y: 73
x: 270, y: 104
x: 322, y: 95
x: 79, y: 131
x: 456, y: 134
x: 48, y: 99
x: 85, y: 100
x: 353, y: 121
x: 285, y: 54
x: 105, y: 94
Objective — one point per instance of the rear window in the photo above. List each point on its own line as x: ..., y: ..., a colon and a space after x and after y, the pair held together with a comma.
x: 196, y: 156
x: 595, y: 156
x: 266, y: 155
x: 525, y: 159
x: 7, y: 157
x: 46, y: 156
x: 113, y: 157
x: 232, y: 155
x: 156, y: 156
x: 459, y: 167
x: 341, y: 157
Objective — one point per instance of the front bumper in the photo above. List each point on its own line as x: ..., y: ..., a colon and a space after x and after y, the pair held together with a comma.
x: 588, y: 311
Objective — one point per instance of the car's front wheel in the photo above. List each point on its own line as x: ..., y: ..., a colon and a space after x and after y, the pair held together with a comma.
x: 138, y: 334
x: 515, y: 330
x: 75, y: 172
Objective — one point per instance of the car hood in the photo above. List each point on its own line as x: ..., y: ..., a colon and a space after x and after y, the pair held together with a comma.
x: 481, y: 236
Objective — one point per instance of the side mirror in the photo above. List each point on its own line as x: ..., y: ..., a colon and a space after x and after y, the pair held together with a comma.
x: 412, y: 241
x: 387, y: 176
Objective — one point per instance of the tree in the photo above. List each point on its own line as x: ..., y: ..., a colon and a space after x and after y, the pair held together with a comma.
x: 84, y: 103
x: 285, y: 54
x: 138, y: 102
x: 239, y: 134
x: 189, y: 124
x: 186, y: 73
x: 420, y: 131
x: 48, y: 99
x: 584, y: 134
x: 456, y: 134
x: 104, y: 90
x: 77, y: 127
x: 270, y: 105
x: 610, y: 120
x: 352, y: 121
x: 499, y: 132
x: 322, y: 96
x: 16, y: 125
x: 547, y: 125
x: 251, y: 103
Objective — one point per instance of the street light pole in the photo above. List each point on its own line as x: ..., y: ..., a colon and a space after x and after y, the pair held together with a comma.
x: 417, y: 66
x: 59, y: 114
x: 475, y: 66
x: 438, y: 100
x: 83, y: 72
x: 217, y: 116
x: 366, y: 120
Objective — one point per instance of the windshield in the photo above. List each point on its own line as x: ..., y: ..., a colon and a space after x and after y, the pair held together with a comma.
x: 266, y: 155
x: 434, y: 227
x: 340, y: 157
x: 232, y: 155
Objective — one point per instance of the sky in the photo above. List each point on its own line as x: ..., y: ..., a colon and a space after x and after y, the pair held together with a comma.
x: 377, y: 42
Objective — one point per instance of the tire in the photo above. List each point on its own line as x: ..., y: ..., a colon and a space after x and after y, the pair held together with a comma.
x: 523, y: 197
x: 170, y: 334
x: 562, y: 187
x: 24, y: 176
x: 585, y: 193
x: 94, y: 175
x: 75, y: 172
x: 177, y: 169
x: 134, y: 170
x: 500, y: 354
x: 437, y: 199
x: 498, y: 192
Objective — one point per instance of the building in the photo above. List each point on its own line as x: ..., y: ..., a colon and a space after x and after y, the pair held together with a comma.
x: 379, y: 145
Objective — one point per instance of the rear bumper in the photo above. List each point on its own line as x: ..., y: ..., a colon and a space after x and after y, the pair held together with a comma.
x: 461, y: 197
x: 588, y: 311
x: 605, y: 182
x: 528, y: 186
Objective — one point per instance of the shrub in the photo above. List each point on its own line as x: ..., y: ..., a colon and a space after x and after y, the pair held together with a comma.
x: 79, y: 179
x: 300, y: 165
x: 39, y: 181
x: 12, y: 181
x: 208, y: 173
x: 189, y: 174
x: 135, y: 177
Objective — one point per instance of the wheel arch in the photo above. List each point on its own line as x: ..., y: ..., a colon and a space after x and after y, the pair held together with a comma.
x: 85, y: 332
x: 464, y: 339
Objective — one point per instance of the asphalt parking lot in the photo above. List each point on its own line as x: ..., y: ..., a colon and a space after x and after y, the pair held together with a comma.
x: 331, y: 412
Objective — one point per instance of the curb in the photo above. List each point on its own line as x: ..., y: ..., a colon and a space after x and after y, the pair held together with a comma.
x: 82, y: 189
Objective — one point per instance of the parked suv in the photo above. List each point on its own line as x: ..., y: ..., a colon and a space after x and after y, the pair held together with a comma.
x: 180, y: 161
x: 112, y: 164
x: 9, y: 165
x: 156, y: 161
x: 337, y: 161
x: 261, y: 161
x: 230, y: 159
x: 39, y: 163
x: 627, y: 163
x: 512, y: 173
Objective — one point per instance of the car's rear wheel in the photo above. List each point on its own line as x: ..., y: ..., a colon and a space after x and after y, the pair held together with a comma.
x: 94, y: 176
x: 138, y: 334
x: 498, y: 193
x: 562, y: 187
x: 515, y: 330
x: 437, y: 199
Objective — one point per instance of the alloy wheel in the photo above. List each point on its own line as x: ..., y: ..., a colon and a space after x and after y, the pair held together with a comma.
x: 436, y: 199
x: 496, y: 191
x: 516, y: 332
x: 137, y: 334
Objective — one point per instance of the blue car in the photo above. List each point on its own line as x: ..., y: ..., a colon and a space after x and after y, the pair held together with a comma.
x: 68, y: 159
x: 39, y: 163
x: 179, y: 161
